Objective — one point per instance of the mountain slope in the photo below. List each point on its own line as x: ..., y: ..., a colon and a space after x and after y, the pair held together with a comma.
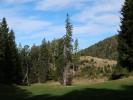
x: 106, y: 49
x: 97, y: 62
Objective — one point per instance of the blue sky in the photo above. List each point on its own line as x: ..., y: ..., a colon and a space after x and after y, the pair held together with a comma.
x: 33, y: 20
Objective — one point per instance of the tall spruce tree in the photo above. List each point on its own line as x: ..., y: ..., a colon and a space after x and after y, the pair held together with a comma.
x: 76, y: 44
x: 125, y: 37
x: 75, y: 55
x: 2, y: 54
x: 13, y: 59
x: 34, y: 55
x: 59, y: 60
x: 9, y: 61
x: 67, y: 52
x: 4, y: 36
x: 52, y: 61
x: 44, y: 62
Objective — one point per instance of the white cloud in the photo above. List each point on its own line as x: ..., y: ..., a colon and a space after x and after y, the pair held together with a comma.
x: 100, y: 7
x: 27, y: 28
x: 23, y: 24
x: 48, y: 5
x: 93, y: 29
x: 103, y: 5
x: 16, y: 1
x: 102, y: 16
x: 27, y: 25
x: 4, y: 12
x: 51, y: 32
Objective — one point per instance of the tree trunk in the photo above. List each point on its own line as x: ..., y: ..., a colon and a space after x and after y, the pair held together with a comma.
x: 26, y: 77
x: 67, y: 75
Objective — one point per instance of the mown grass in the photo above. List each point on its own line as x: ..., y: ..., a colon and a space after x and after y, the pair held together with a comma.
x: 112, y: 90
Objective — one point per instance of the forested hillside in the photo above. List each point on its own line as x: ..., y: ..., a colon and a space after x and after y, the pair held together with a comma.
x: 104, y: 49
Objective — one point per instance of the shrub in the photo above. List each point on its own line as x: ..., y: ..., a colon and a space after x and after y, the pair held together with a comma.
x: 119, y: 72
x: 92, y: 60
x: 52, y: 74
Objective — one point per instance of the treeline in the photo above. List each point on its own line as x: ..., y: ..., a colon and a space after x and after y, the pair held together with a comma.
x: 53, y: 60
x: 106, y: 49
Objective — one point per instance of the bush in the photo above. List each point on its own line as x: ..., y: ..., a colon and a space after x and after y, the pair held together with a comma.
x: 119, y: 72
x: 131, y: 73
x: 88, y: 71
x: 52, y: 74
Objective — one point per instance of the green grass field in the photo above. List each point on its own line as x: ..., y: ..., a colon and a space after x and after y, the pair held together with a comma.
x: 112, y: 90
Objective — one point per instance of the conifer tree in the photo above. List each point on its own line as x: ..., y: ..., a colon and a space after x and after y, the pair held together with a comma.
x: 13, y: 59
x: 4, y: 36
x: 34, y: 55
x: 2, y: 55
x: 44, y: 61
x: 76, y: 46
x: 75, y: 54
x: 9, y: 61
x: 125, y: 37
x: 59, y: 60
x: 67, y: 52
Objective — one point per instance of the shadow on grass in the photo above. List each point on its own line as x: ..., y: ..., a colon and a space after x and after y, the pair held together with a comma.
x: 15, y: 93
x: 92, y: 94
x: 10, y: 92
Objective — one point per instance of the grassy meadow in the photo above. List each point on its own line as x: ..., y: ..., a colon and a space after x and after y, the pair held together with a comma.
x: 112, y: 90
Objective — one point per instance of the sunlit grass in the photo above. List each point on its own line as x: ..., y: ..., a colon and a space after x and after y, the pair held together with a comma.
x: 123, y: 88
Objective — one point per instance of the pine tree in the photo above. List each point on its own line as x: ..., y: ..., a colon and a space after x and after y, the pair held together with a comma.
x: 76, y: 46
x: 59, y: 60
x: 34, y: 55
x: 9, y: 61
x: 53, y: 56
x: 2, y: 55
x: 44, y: 62
x: 125, y: 37
x: 75, y: 56
x: 67, y: 52
x: 4, y: 50
x: 13, y: 59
